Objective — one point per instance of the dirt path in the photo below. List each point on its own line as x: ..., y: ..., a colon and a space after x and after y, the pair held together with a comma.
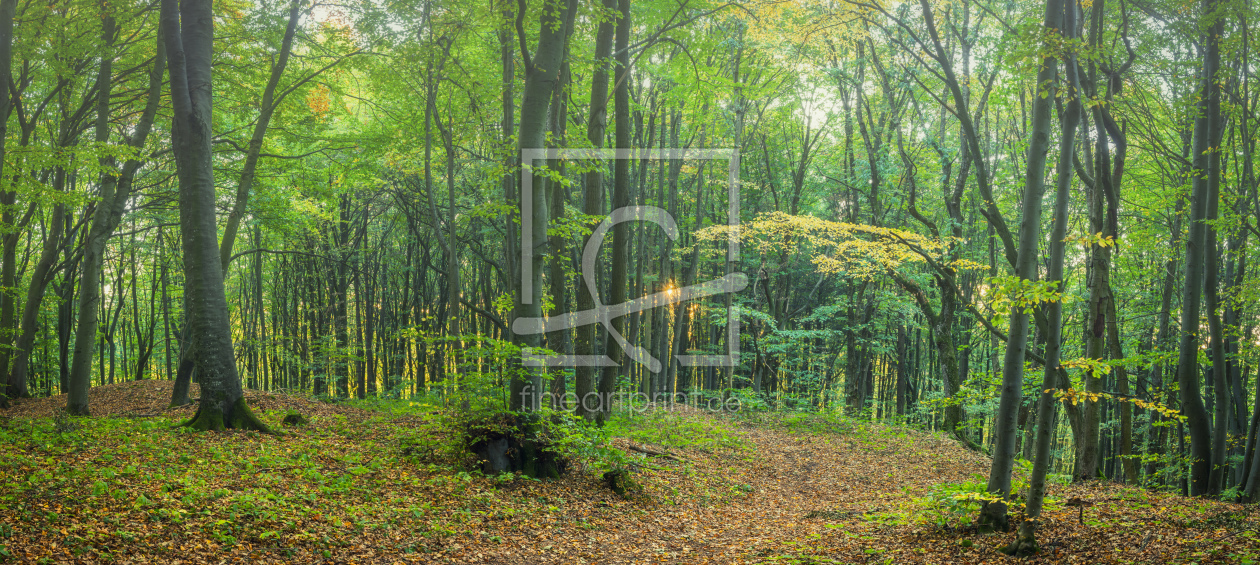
x: 787, y: 493
x: 823, y: 498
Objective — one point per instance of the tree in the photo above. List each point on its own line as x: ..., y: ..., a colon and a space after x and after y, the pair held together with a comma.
x: 188, y: 32
x: 1206, y: 179
x: 541, y: 73
x: 1026, y: 540
x: 115, y: 190
x: 620, y: 199
x: 8, y: 9
x: 994, y: 513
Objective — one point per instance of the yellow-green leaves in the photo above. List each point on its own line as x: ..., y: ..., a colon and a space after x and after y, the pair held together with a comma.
x: 1075, y: 396
x: 1010, y: 291
x: 859, y: 250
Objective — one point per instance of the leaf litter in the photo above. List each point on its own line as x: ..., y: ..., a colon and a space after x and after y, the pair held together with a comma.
x: 129, y: 488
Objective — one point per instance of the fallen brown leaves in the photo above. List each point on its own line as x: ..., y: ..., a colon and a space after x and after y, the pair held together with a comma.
x: 339, y: 492
x: 149, y: 398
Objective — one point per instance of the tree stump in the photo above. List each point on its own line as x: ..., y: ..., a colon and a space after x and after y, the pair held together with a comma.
x: 619, y: 481
x: 512, y: 443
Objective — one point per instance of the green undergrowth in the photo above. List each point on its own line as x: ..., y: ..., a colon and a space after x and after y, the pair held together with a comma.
x: 859, y: 431
x: 97, y: 486
x: 678, y: 430
x: 394, y: 473
x: 954, y: 505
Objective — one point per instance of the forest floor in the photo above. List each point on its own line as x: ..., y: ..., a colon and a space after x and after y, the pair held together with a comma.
x: 382, y: 484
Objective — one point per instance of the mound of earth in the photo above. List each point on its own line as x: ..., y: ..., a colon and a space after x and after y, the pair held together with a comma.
x: 145, y: 398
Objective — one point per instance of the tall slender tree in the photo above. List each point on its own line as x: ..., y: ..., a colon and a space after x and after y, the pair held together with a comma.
x: 542, y: 70
x: 188, y: 30
x: 1005, y: 425
x: 1204, y: 174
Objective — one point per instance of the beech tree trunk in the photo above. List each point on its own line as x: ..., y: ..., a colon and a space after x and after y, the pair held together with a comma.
x: 188, y: 31
x: 94, y: 246
x: 8, y: 9
x: 1204, y: 175
x: 1005, y: 425
x: 540, y: 76
x: 620, y: 199
x: 592, y: 190
x: 1047, y: 407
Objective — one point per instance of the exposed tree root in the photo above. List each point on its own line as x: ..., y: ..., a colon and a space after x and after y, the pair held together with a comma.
x: 241, y: 418
x: 994, y: 518
x: 1025, y: 543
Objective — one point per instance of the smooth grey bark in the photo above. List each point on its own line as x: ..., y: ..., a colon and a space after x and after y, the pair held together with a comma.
x: 1235, y: 276
x: 89, y: 286
x: 8, y: 9
x: 1101, y: 332
x: 40, y: 277
x: 584, y: 384
x: 1250, y: 476
x: 188, y: 31
x: 620, y: 199
x: 540, y: 76
x: 1216, y: 347
x: 1093, y: 331
x: 507, y: 182
x: 184, y: 373
x: 560, y: 341
x: 508, y: 179
x: 109, y: 212
x: 1206, y: 125
x: 1005, y: 426
x: 1047, y: 407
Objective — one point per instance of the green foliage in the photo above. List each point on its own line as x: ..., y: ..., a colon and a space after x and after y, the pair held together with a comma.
x: 679, y: 430
x: 954, y: 505
x: 583, y: 442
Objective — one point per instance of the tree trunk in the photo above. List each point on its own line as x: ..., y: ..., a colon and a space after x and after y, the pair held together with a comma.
x: 540, y: 77
x: 1204, y: 176
x: 93, y: 249
x: 597, y: 121
x: 8, y: 9
x: 35, y: 295
x: 1047, y: 407
x: 1005, y: 426
x: 188, y: 31
x: 620, y: 199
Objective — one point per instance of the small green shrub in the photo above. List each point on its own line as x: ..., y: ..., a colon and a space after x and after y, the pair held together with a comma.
x: 677, y: 430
